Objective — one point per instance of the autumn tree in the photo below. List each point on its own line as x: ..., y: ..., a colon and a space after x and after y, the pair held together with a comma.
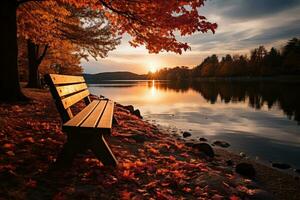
x: 291, y: 54
x: 207, y: 67
x: 257, y: 59
x: 151, y: 23
x: 225, y: 66
x: 62, y: 58
x: 84, y: 28
x: 272, y: 62
x: 260, y: 63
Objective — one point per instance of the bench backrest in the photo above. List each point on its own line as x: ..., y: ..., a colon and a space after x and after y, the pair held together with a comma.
x: 66, y: 91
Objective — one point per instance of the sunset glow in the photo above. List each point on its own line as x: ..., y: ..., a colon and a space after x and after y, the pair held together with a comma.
x: 249, y: 29
x: 152, y: 66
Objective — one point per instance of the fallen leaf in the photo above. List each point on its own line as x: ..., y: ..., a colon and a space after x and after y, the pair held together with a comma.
x: 28, y: 140
x: 31, y: 183
x: 10, y: 153
x: 8, y: 146
x: 125, y: 195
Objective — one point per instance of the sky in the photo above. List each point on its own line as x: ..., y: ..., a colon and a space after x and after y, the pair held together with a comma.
x: 242, y: 26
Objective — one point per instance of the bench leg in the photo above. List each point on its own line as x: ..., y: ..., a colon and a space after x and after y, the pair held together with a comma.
x: 102, y: 151
x: 70, y: 149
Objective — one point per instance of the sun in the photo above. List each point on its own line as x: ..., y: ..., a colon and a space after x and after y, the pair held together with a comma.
x: 152, y: 66
x: 152, y: 69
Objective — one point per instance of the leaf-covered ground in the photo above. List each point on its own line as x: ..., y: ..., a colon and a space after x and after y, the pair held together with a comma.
x: 152, y: 164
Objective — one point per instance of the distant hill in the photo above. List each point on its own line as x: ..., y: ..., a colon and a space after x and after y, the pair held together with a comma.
x: 95, y: 78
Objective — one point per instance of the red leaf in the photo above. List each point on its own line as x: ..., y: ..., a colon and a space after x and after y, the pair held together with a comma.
x: 125, y: 195
x: 233, y: 197
x: 31, y: 183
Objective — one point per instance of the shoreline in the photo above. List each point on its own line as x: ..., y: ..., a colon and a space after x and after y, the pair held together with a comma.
x: 277, y: 78
x: 266, y: 173
x: 152, y: 163
x: 178, y: 134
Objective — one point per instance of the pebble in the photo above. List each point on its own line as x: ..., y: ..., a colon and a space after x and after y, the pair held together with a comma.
x: 281, y: 165
x: 245, y: 169
x: 205, y: 148
x: 137, y: 113
x: 242, y: 154
x: 202, y: 139
x: 221, y: 144
x: 130, y: 108
x: 186, y: 134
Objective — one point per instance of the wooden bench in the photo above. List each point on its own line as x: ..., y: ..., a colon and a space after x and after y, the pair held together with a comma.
x: 85, y: 130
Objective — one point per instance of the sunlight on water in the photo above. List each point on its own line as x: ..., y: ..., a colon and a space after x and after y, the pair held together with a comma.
x: 252, y: 117
x: 153, y: 90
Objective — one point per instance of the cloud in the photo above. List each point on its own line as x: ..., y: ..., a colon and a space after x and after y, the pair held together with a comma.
x: 242, y: 26
x: 246, y: 9
x: 240, y: 34
x: 276, y: 33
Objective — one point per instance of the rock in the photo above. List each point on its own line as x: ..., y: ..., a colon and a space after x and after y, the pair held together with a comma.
x: 229, y: 162
x: 186, y: 134
x: 281, y: 165
x: 137, y: 113
x: 102, y: 97
x: 130, y: 108
x: 202, y: 139
x: 245, y: 169
x: 221, y: 144
x: 205, y: 148
x: 242, y: 154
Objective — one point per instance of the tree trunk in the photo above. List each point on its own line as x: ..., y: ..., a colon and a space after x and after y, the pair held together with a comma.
x: 33, y: 65
x: 9, y: 74
x: 34, y: 61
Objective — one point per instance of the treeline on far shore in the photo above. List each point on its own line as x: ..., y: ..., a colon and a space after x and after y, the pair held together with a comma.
x: 260, y: 63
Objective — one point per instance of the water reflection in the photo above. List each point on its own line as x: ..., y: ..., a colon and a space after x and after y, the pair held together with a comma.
x: 284, y: 95
x: 251, y: 115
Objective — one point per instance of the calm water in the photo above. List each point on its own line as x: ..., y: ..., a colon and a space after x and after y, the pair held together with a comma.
x: 258, y: 118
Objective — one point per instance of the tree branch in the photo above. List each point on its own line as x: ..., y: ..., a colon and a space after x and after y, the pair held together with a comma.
x: 43, y: 54
x: 123, y: 13
x: 37, y: 50
x: 24, y: 1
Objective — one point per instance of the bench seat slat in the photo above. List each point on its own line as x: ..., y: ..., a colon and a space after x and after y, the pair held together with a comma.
x: 71, y: 100
x: 106, y: 119
x: 70, y: 89
x: 82, y: 115
x: 94, y: 117
x: 64, y: 79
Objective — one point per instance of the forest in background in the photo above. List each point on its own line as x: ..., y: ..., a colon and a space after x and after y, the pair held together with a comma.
x: 260, y: 63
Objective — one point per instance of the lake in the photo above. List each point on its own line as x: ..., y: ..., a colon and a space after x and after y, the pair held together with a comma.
x: 259, y: 118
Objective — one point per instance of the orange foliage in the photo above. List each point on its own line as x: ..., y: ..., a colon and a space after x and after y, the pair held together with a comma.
x: 55, y: 22
x: 155, y: 23
x: 152, y: 23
